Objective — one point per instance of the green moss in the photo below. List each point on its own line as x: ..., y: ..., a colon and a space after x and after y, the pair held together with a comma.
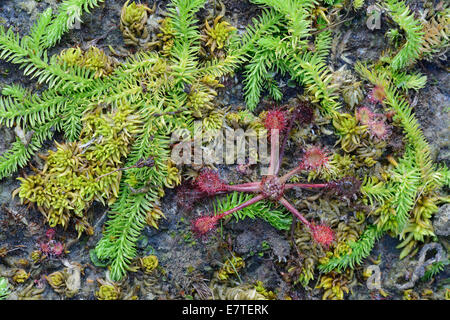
x: 230, y: 267
x: 218, y: 35
x: 149, y: 263
x: 93, y: 59
x: 133, y: 22
x: 76, y: 174
x: 108, y: 292
x: 4, y: 288
x: 349, y: 131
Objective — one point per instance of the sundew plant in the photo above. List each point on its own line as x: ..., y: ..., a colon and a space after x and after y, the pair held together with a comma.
x: 110, y: 118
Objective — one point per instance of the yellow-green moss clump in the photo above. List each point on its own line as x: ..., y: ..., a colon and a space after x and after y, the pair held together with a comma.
x: 217, y: 35
x: 20, y: 276
x: 149, y: 263
x: 133, y: 22
x: 349, y: 131
x: 231, y: 266
x: 76, y: 174
x: 94, y: 59
x: 166, y: 35
x: 108, y: 292
x: 201, y: 96
x: 335, y: 284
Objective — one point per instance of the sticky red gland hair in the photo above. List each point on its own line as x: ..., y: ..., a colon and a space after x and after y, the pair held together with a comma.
x: 203, y: 225
x: 378, y: 94
x: 314, y: 158
x: 364, y: 115
x: 322, y: 234
x: 275, y: 119
x: 209, y: 181
x: 379, y: 129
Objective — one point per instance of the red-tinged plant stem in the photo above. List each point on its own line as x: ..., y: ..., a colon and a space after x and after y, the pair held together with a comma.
x: 274, y: 164
x: 294, y: 211
x: 285, y: 138
x: 241, y: 206
x: 294, y: 171
x: 305, y: 185
x: 245, y: 187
